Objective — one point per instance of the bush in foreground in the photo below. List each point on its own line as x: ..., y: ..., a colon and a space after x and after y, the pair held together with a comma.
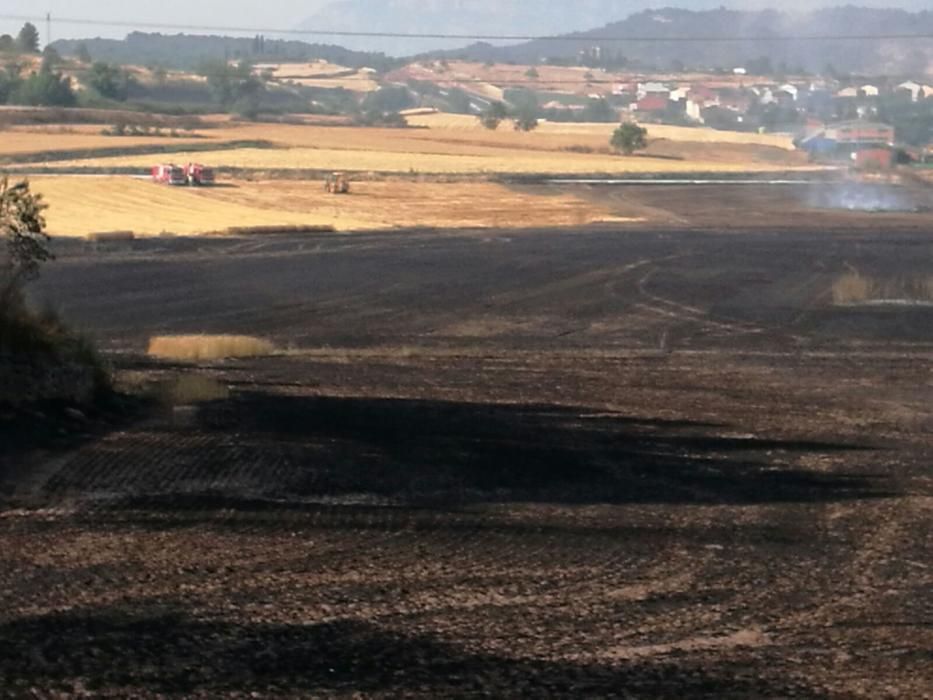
x: 40, y: 358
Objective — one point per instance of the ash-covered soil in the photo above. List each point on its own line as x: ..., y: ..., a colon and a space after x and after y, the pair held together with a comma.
x: 552, y: 464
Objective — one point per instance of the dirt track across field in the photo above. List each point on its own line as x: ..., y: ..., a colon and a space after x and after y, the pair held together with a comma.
x: 565, y: 463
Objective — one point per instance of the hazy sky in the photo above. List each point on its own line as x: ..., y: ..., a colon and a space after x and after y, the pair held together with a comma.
x: 289, y: 13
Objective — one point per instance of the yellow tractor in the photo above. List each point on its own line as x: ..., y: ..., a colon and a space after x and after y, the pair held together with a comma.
x: 337, y: 183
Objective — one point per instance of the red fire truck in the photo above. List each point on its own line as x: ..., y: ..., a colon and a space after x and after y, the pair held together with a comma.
x: 169, y: 174
x: 198, y: 174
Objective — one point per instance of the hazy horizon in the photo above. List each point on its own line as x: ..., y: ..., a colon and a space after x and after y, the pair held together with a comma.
x: 282, y: 14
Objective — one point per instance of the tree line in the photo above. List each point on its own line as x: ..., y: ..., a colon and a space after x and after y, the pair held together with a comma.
x: 27, y: 41
x: 48, y: 86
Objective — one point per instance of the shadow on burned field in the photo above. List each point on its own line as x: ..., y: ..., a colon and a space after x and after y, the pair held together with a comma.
x: 168, y: 651
x: 259, y: 446
x: 451, y: 452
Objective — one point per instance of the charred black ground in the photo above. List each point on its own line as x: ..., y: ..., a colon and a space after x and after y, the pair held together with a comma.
x: 649, y: 463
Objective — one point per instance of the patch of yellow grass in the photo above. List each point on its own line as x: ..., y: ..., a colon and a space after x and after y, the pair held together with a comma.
x: 851, y: 288
x: 195, y: 348
x: 855, y: 288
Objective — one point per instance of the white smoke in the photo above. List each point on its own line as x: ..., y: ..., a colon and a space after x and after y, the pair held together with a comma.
x: 868, y: 197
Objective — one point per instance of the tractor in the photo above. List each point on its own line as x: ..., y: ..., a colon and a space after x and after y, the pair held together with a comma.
x: 337, y: 183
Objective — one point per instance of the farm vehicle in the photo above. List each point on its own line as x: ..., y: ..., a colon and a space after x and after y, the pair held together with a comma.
x: 337, y: 183
x: 192, y: 174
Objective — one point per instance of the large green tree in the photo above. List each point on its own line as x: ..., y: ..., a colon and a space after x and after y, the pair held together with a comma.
x: 45, y: 88
x: 629, y: 138
x: 10, y: 81
x: 493, y: 115
x: 27, y: 40
x: 109, y: 81
x: 526, y: 119
x: 389, y: 99
x: 234, y: 87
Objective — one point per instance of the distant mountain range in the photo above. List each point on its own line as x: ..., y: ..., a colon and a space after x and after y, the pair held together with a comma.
x: 549, y: 17
x: 458, y: 17
x: 190, y: 51
x: 776, y: 38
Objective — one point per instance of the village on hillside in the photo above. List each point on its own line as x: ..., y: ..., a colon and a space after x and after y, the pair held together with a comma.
x: 831, y: 118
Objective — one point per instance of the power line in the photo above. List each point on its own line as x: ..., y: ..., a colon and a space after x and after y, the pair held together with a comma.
x: 473, y: 37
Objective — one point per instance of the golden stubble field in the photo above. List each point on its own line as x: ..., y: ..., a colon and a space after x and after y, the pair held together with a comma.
x: 85, y: 205
x: 447, y: 144
x: 20, y: 140
x: 444, y: 144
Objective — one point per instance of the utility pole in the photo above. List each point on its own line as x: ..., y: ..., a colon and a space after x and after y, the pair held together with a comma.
x: 48, y: 28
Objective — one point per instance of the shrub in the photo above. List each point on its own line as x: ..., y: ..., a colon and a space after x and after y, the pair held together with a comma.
x: 36, y: 349
x: 493, y: 116
x: 629, y: 138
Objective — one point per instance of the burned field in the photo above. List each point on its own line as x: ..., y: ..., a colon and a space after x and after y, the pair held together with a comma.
x: 658, y: 463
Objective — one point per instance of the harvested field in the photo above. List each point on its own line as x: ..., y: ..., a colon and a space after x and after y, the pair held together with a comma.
x: 79, y: 206
x: 582, y: 463
x: 463, y: 122
x: 84, y: 205
x: 482, y: 160
x: 452, y: 144
x: 24, y: 140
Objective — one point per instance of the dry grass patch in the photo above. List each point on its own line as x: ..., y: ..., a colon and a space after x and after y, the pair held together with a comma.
x: 854, y: 288
x: 196, y: 348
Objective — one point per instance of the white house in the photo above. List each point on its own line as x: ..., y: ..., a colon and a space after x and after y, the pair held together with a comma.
x: 645, y: 89
x: 791, y: 90
x: 695, y: 107
x: 680, y: 94
x: 915, y: 89
x: 870, y: 90
x: 848, y: 92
